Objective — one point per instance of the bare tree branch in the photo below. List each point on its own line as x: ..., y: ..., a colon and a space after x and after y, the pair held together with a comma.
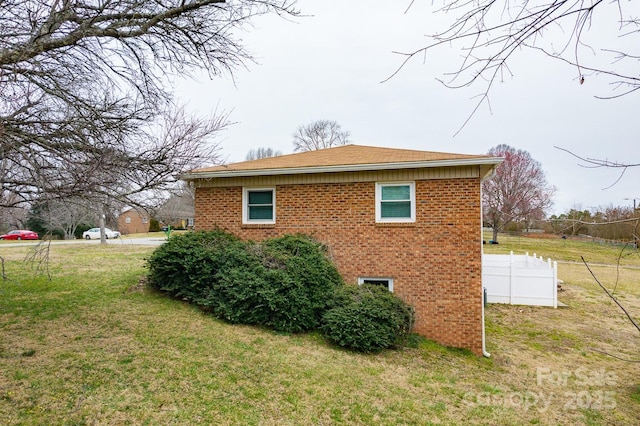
x: 614, y: 356
x: 594, y: 163
x: 39, y: 255
x: 610, y: 295
x: 490, y: 33
x: 85, y: 107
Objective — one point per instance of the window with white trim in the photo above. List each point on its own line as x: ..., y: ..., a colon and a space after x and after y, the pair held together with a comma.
x: 258, y: 205
x: 127, y: 219
x: 385, y: 282
x: 396, y: 202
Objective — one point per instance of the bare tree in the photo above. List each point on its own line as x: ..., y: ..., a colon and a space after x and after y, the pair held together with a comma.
x: 179, y: 206
x: 318, y: 135
x: 258, y: 153
x: 68, y: 214
x: 84, y: 104
x: 489, y: 33
x: 518, y: 190
x: 11, y: 217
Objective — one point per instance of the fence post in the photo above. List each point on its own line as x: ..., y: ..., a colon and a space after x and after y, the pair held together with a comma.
x: 555, y: 284
x: 512, y: 280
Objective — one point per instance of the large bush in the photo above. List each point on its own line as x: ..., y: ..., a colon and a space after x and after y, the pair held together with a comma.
x: 285, y: 283
x: 186, y: 265
x: 367, y: 318
x: 299, y: 283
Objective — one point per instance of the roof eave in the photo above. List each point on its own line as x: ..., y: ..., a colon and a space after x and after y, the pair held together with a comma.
x: 489, y: 161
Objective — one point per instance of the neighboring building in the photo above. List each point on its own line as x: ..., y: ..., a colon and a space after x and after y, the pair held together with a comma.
x: 133, y: 221
x: 410, y: 220
x: 178, y: 210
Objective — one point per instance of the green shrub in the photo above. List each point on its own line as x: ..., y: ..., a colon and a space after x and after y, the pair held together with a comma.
x: 186, y: 265
x: 367, y: 318
x: 235, y: 289
x: 80, y: 229
x: 299, y: 283
x: 285, y: 283
x: 154, y: 225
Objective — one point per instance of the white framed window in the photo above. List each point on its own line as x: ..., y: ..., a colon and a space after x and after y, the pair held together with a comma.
x: 190, y: 222
x: 145, y: 219
x: 385, y: 282
x: 127, y: 219
x: 258, y: 205
x: 396, y: 202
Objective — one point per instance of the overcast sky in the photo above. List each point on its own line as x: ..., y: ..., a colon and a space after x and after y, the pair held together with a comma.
x: 329, y: 66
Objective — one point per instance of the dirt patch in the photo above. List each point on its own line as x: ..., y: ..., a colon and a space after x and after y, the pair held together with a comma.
x: 139, y: 287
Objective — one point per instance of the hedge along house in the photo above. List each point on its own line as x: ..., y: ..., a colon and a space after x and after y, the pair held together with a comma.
x: 410, y: 220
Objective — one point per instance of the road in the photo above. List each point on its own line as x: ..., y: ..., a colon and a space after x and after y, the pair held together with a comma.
x: 147, y: 241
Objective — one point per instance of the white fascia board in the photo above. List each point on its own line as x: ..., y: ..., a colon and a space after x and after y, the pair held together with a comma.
x: 493, y: 161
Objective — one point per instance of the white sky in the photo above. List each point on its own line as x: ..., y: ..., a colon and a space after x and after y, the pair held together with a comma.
x: 330, y: 64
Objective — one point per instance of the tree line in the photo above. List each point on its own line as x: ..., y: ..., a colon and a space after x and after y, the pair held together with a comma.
x: 607, y: 223
x: 610, y: 223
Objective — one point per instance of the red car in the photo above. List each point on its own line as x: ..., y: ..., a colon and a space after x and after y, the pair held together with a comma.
x: 20, y: 234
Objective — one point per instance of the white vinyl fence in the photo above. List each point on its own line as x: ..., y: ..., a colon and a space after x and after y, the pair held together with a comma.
x: 520, y: 279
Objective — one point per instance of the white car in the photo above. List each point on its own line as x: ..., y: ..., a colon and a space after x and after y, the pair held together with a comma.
x: 94, y: 233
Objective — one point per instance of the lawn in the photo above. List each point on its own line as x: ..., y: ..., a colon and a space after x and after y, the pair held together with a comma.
x: 93, y: 345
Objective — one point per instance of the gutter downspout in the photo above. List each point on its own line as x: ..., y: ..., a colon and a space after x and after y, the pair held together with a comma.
x: 484, y: 346
x: 484, y: 343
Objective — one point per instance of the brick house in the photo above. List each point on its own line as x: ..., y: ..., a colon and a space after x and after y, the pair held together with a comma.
x: 133, y: 221
x: 410, y: 220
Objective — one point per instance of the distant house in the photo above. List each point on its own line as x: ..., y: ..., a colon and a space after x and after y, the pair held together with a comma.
x: 178, y: 211
x: 409, y: 220
x: 133, y: 221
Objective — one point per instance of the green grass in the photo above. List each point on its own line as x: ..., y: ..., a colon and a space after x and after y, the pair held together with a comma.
x: 570, y: 250
x: 94, y: 346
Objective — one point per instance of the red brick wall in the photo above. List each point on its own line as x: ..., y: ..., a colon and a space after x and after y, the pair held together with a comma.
x: 135, y: 225
x: 435, y: 262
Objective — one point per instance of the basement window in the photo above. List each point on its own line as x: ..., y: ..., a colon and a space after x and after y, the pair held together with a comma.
x: 258, y: 205
x: 385, y: 282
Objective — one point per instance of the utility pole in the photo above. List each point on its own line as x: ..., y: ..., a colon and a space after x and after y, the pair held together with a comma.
x: 636, y: 237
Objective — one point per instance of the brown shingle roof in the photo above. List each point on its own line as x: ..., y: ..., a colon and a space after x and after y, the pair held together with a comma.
x: 358, y: 156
